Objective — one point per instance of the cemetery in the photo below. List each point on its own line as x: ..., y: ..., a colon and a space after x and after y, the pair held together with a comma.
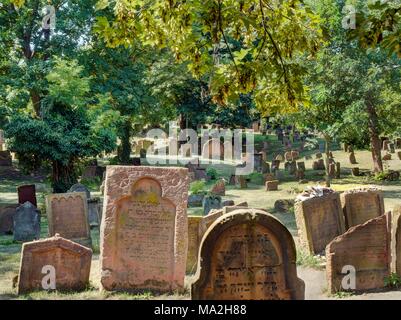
x: 140, y: 166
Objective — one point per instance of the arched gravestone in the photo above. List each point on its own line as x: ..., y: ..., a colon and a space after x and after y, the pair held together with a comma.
x: 247, y: 255
x: 144, y: 229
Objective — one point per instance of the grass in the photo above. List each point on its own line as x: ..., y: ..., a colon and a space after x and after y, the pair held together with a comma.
x: 310, y: 261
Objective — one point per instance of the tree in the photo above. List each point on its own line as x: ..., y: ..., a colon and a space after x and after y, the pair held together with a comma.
x: 241, y: 46
x: 67, y: 131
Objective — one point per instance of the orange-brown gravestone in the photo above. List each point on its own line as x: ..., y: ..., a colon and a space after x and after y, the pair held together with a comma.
x: 247, y: 255
x: 144, y: 229
x: 366, y: 248
x: 319, y: 220
x: 68, y: 262
x: 67, y: 214
x: 361, y: 205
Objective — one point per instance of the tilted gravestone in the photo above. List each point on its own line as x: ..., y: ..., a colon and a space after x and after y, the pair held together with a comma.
x: 361, y: 205
x: 364, y: 249
x: 67, y: 214
x: 219, y: 188
x: 247, y: 255
x: 319, y: 218
x: 7, y: 212
x: 54, y: 264
x: 143, y: 237
x: 26, y: 223
x: 27, y: 193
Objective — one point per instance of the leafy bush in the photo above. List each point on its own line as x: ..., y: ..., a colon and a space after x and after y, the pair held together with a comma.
x: 198, y: 187
x: 212, y: 173
x: 389, y: 175
x: 393, y: 281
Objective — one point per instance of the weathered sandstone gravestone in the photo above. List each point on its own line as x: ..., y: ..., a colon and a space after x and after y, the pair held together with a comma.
x: 361, y: 205
x: 247, y: 255
x: 366, y: 248
x: 27, y: 194
x: 7, y: 212
x: 319, y: 218
x: 219, y: 188
x: 26, y: 223
x: 68, y: 262
x: 193, y: 242
x: 396, y: 240
x: 352, y: 158
x: 80, y: 188
x: 387, y: 157
x: 211, y: 202
x: 5, y: 159
x: 67, y: 214
x: 272, y: 185
x: 143, y: 237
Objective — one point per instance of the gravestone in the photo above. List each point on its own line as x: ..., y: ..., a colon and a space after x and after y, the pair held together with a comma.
x: 396, y: 240
x: 233, y: 180
x: 71, y: 262
x: 355, y: 172
x: 200, y: 174
x: 319, y: 165
x: 80, y: 188
x: 365, y: 247
x: 7, y: 212
x: 269, y: 177
x: 27, y: 194
x: 300, y: 174
x: 193, y: 243
x: 195, y: 200
x: 338, y: 170
x: 94, y: 212
x: 67, y: 215
x: 387, y: 157
x: 5, y: 159
x: 301, y: 166
x: 399, y: 155
x: 386, y: 144
x: 332, y: 170
x: 319, y: 218
x: 143, y: 243
x: 258, y: 162
x: 352, y: 158
x: 26, y: 223
x: 272, y: 185
x: 219, y: 188
x: 247, y: 255
x: 391, y: 147
x: 211, y: 202
x: 361, y: 205
x: 242, y: 182
x: 228, y: 203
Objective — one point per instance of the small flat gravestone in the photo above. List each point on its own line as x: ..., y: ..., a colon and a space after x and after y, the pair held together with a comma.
x: 67, y: 214
x: 7, y: 212
x: 27, y: 194
x: 5, y: 159
x: 144, y: 229
x: 54, y: 264
x: 361, y: 205
x: 319, y: 218
x: 247, y: 255
x: 26, y: 223
x: 363, y: 249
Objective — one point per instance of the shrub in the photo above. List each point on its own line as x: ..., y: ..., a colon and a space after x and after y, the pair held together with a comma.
x: 198, y: 187
x: 212, y: 173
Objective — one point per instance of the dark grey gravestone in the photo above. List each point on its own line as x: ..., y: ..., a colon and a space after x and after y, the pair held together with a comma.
x: 27, y: 223
x: 93, y: 212
x: 80, y: 188
x: 211, y: 202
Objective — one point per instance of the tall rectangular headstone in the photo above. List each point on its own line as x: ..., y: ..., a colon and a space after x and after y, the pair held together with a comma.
x: 144, y: 229
x: 319, y: 220
x: 193, y: 242
x: 67, y: 215
x: 27, y: 223
x: 7, y: 212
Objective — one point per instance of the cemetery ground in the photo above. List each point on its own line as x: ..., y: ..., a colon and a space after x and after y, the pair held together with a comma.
x: 310, y: 269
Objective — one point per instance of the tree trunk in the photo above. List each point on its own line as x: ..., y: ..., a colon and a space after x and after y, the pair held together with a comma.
x: 125, y: 151
x: 327, y: 141
x: 63, y: 176
x: 375, y: 141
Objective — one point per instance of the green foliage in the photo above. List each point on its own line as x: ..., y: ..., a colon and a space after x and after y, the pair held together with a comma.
x: 393, y: 281
x: 198, y: 187
x: 211, y: 172
x: 307, y: 260
x: 242, y: 46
